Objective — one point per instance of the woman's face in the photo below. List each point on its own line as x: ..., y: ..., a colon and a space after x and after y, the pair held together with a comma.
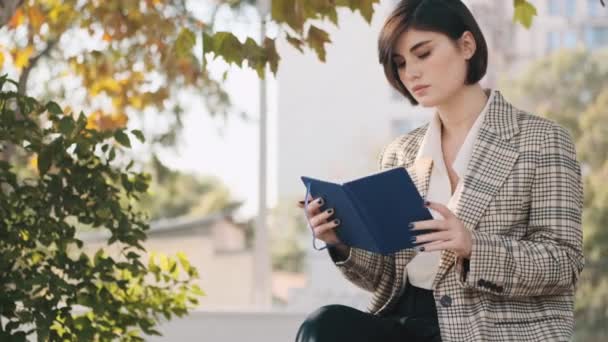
x: 431, y: 66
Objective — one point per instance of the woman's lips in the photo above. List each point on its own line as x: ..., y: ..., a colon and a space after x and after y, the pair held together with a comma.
x: 421, y: 89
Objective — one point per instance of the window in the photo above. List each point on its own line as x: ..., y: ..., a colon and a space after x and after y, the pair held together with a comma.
x: 570, y: 39
x: 595, y: 9
x: 570, y: 10
x: 553, y: 42
x: 596, y: 37
x: 554, y: 7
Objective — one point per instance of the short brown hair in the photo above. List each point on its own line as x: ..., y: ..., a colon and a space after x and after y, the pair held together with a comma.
x: 450, y: 17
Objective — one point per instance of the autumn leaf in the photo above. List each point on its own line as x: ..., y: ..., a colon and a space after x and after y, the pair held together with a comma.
x: 317, y: 39
x: 36, y: 18
x: 17, y: 19
x: 184, y: 43
x: 524, y: 12
x: 22, y: 56
x: 1, y: 59
x: 295, y: 42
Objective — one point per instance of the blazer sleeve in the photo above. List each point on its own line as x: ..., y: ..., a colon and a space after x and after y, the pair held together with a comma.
x: 549, y: 259
x: 363, y: 268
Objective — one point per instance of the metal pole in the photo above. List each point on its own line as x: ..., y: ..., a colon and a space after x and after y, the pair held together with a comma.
x: 262, y: 270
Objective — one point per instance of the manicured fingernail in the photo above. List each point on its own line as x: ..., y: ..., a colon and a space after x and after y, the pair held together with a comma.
x: 301, y: 202
x: 421, y: 249
x: 337, y: 221
x: 413, y: 239
x: 320, y: 201
x: 427, y: 203
x: 411, y: 225
x: 330, y: 211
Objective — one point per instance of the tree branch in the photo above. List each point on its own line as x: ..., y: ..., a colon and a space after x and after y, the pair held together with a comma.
x: 32, y: 62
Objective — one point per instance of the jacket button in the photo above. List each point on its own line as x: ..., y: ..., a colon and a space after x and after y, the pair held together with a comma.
x: 481, y: 283
x: 446, y: 301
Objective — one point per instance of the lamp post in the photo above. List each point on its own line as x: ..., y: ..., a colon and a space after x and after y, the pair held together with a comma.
x: 261, y: 258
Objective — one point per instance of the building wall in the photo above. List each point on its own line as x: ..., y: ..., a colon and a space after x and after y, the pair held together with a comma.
x: 334, y: 117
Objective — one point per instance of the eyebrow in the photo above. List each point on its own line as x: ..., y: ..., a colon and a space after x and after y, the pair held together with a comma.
x: 414, y: 47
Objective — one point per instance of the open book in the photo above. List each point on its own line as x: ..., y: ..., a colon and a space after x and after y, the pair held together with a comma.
x: 374, y: 210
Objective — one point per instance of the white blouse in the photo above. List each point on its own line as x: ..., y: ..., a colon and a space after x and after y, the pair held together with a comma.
x: 421, y: 270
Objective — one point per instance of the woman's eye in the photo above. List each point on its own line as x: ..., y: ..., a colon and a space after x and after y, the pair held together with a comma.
x: 400, y: 65
x: 424, y: 55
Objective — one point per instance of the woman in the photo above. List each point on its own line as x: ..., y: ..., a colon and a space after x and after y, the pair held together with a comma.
x: 504, y: 188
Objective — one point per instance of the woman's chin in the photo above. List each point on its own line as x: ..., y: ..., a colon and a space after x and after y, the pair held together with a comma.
x: 425, y: 101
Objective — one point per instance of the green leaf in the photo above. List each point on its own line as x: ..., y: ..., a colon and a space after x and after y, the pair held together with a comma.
x: 122, y: 138
x: 185, y: 42
x: 45, y: 159
x: 66, y: 125
x: 524, y: 12
x: 54, y: 108
x: 139, y: 135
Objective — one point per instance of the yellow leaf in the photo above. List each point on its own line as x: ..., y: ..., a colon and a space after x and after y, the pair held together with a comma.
x: 33, y: 162
x: 22, y: 57
x: 17, y: 19
x: 524, y: 12
x: 1, y: 59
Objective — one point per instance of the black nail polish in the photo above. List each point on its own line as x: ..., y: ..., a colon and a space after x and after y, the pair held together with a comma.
x: 422, y: 249
x: 337, y: 221
x: 413, y: 239
x: 427, y: 203
x: 411, y: 225
x: 330, y: 211
x: 320, y: 201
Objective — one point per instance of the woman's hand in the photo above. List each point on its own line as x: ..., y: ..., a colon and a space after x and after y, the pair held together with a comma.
x: 450, y: 233
x: 323, y: 228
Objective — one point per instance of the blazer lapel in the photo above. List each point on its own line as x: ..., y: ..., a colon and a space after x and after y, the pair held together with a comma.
x: 420, y: 172
x: 491, y: 163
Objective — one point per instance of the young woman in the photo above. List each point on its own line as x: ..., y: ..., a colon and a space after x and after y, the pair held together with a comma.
x: 504, y: 187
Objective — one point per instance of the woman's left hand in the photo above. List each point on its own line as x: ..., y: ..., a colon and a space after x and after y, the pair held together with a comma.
x: 451, y: 233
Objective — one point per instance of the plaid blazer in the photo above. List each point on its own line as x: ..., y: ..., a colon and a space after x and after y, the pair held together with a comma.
x: 522, y: 202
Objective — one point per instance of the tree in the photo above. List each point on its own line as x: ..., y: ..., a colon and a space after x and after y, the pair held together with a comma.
x: 173, y: 194
x: 50, y: 288
x: 570, y: 87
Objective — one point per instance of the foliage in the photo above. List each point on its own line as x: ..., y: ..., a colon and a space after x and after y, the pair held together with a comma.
x: 287, y: 230
x: 173, y: 193
x: 49, y: 287
x: 570, y: 87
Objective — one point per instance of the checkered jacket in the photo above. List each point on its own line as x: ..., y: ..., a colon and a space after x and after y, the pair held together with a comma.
x: 522, y: 202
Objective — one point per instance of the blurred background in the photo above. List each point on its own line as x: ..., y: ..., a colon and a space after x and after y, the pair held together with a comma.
x: 225, y: 149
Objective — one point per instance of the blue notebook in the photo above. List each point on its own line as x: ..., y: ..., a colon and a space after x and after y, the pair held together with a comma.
x: 374, y: 210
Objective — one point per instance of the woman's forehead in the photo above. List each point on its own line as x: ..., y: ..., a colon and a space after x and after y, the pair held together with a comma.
x: 412, y: 38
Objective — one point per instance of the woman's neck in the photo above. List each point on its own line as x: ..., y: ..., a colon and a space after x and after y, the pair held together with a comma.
x: 460, y: 111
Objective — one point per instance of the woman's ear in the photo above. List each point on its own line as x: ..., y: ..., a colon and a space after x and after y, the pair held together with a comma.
x: 467, y: 43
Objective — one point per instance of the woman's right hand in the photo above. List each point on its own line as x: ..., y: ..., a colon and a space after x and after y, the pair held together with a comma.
x: 321, y: 223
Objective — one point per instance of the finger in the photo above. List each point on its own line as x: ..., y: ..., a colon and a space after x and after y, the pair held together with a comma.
x: 301, y: 203
x: 313, y: 207
x: 326, y: 227
x: 440, y: 208
x: 321, y: 217
x: 430, y: 224
x: 437, y: 246
x: 430, y: 237
x: 428, y: 244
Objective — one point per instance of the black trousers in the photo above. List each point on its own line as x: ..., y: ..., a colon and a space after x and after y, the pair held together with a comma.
x: 414, y: 319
